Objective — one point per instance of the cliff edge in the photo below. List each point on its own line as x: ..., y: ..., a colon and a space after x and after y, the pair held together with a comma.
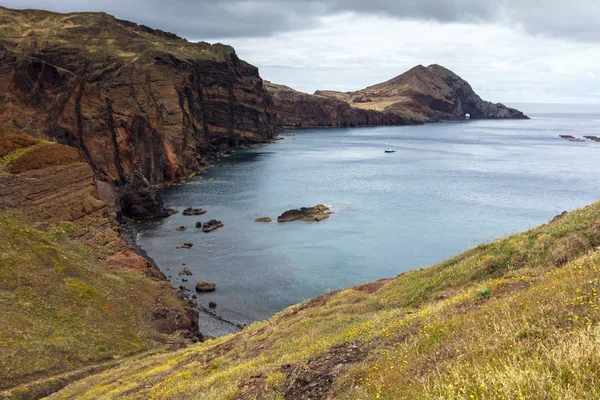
x: 136, y: 101
x: 420, y: 95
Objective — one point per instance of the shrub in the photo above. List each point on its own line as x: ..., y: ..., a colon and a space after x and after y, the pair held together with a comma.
x: 484, y: 294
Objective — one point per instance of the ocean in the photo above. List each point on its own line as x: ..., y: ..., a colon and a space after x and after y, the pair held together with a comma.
x: 449, y: 187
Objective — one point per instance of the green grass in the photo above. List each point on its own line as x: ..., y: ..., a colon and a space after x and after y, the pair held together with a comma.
x: 63, y: 307
x: 427, y: 334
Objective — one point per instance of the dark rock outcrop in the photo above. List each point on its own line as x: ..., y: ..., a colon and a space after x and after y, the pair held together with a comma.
x: 212, y: 225
x: 202, y: 286
x: 194, y: 211
x: 309, y: 214
x: 139, y: 200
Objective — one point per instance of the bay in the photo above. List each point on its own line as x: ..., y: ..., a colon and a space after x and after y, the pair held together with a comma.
x: 448, y: 187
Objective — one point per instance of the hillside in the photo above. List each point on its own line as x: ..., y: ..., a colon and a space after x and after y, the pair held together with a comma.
x: 420, y: 95
x: 515, y: 318
x: 72, y: 291
x: 304, y: 110
x: 141, y: 104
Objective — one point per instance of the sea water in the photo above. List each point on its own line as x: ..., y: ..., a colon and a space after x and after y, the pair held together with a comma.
x: 448, y: 187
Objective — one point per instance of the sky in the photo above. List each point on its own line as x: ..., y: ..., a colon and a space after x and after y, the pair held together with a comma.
x: 511, y: 51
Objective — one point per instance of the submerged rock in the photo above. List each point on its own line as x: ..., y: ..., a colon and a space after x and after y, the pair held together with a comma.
x: 194, y: 211
x: 316, y: 213
x: 212, y: 304
x: 212, y: 225
x: 181, y: 229
x: 263, y: 219
x: 187, y: 245
x: 186, y: 271
x: 202, y: 286
x: 198, y: 224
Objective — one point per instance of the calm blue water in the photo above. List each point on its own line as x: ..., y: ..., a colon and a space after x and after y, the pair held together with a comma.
x: 449, y: 187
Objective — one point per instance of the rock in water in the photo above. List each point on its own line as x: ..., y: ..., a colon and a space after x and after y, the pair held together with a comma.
x: 212, y: 304
x: 198, y: 224
x: 186, y: 271
x: 181, y: 229
x: 316, y: 213
x: 263, y: 219
x: 187, y: 245
x: 212, y: 225
x: 194, y: 211
x: 202, y: 286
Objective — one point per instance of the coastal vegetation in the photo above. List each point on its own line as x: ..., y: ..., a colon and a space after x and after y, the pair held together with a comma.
x: 515, y: 318
x: 75, y: 297
x: 62, y: 308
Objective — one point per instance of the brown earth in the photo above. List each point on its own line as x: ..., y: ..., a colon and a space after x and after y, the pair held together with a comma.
x: 49, y: 185
x: 136, y: 102
x: 420, y: 95
x: 13, y: 140
x: 44, y: 156
x: 426, y: 94
x: 297, y: 109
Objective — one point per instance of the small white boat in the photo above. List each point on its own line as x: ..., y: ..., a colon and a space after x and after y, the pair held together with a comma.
x: 390, y: 150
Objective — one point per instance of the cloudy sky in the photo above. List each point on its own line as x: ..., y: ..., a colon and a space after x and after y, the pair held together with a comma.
x: 509, y: 50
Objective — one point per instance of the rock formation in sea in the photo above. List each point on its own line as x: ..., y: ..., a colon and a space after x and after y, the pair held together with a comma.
x: 309, y: 214
x: 136, y: 101
x: 420, y: 95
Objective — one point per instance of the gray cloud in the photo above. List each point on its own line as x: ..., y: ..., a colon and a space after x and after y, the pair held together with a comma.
x: 207, y: 19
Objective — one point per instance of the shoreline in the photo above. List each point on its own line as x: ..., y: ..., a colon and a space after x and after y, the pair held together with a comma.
x: 205, y: 316
x: 129, y: 233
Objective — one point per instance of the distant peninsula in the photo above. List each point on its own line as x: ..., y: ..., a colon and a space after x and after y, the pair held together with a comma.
x: 420, y: 95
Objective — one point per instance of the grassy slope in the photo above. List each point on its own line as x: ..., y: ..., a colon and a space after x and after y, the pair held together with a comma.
x: 98, y: 34
x: 62, y: 307
x: 516, y: 318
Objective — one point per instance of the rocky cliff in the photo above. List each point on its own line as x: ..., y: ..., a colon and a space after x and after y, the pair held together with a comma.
x: 420, y: 95
x: 137, y: 102
x: 426, y: 94
x: 299, y: 109
x: 69, y: 282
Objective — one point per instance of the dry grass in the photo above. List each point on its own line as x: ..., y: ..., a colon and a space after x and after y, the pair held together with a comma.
x: 427, y: 334
x: 62, y: 307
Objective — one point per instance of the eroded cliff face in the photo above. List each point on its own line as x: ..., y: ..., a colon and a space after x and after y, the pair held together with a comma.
x: 426, y: 94
x: 297, y: 109
x: 50, y: 184
x: 420, y: 95
x: 135, y: 101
